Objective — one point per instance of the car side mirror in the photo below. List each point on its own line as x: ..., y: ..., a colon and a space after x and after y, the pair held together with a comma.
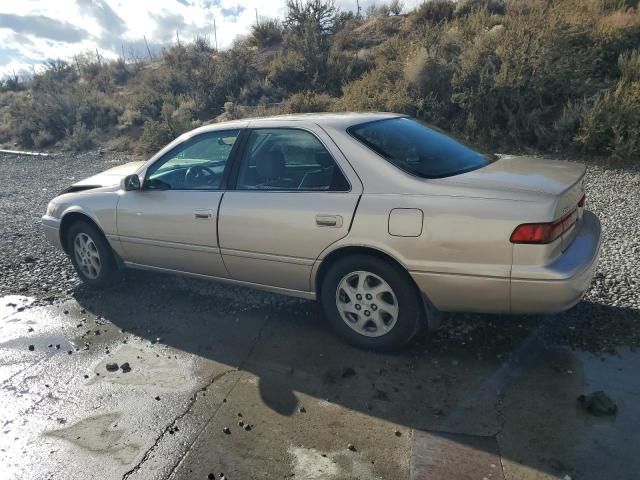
x: 131, y: 182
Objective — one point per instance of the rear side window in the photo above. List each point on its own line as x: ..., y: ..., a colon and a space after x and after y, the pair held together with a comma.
x: 418, y: 149
x: 288, y: 159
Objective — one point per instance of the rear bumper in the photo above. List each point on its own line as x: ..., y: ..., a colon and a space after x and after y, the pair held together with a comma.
x: 51, y: 227
x: 560, y: 285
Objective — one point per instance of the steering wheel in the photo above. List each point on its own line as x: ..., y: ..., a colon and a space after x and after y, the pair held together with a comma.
x: 199, y: 175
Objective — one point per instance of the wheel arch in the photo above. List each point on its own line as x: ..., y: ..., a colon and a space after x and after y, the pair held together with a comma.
x: 69, y: 219
x: 347, y: 250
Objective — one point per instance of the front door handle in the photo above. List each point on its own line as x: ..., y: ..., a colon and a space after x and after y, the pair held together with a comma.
x: 203, y: 214
x: 329, y: 221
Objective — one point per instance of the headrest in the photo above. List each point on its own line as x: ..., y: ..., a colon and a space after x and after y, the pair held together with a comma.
x: 270, y: 165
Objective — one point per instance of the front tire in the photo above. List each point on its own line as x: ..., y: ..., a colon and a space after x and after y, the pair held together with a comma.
x: 91, y: 255
x: 372, y: 303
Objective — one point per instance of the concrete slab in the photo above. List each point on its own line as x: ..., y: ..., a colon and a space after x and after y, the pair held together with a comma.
x: 200, y: 354
x: 443, y: 456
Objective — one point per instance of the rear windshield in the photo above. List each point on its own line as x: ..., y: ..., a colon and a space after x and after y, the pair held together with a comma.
x: 419, y: 149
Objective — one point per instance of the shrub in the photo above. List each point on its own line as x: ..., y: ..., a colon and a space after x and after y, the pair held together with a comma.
x: 155, y: 135
x: 267, y: 33
x: 468, y: 7
x: 79, y: 139
x: 435, y: 11
x: 308, y: 102
x: 610, y: 121
x: 382, y: 89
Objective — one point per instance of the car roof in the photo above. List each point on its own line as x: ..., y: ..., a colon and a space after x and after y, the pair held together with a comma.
x: 324, y: 119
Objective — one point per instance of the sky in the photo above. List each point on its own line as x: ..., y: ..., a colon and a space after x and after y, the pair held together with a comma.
x: 32, y: 31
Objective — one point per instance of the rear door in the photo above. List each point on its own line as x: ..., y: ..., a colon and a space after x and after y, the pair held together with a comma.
x: 171, y: 223
x: 295, y: 194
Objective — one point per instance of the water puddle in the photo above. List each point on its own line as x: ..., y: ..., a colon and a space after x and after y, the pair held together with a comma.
x: 100, y: 434
x: 147, y: 368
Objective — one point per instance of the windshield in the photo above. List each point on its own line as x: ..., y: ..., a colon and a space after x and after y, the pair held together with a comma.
x: 419, y: 149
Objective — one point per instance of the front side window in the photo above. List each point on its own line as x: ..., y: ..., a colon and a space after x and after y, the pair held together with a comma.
x: 197, y: 164
x: 419, y: 149
x: 288, y: 159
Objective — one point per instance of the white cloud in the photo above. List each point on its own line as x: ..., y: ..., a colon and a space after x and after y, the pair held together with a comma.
x: 77, y: 26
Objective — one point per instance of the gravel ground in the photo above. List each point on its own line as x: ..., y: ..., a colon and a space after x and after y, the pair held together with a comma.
x: 608, y: 318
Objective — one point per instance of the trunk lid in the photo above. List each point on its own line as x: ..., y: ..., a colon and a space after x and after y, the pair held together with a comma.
x: 529, y: 174
x: 563, y: 181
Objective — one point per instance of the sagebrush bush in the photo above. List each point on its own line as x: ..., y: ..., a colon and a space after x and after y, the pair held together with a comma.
x: 435, y: 11
x: 79, y: 138
x: 515, y: 75
x: 267, y: 32
x: 308, y: 102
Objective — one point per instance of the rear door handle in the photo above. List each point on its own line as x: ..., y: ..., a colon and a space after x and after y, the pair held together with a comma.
x: 329, y: 221
x: 203, y: 214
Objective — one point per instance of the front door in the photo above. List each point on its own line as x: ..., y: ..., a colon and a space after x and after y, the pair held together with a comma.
x: 171, y: 222
x: 291, y: 201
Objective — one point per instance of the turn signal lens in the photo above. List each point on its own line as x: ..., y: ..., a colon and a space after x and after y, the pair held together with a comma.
x: 537, y: 232
x: 542, y: 233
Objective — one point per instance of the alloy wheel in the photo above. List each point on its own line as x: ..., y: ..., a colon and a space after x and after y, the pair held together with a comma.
x: 87, y: 255
x: 367, y: 303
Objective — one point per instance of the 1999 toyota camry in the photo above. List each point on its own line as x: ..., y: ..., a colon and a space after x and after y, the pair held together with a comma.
x: 383, y: 219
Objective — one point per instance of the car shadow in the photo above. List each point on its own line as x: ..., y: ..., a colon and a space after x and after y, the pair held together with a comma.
x: 451, y: 382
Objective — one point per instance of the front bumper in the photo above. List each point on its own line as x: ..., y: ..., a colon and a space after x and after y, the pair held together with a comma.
x: 560, y: 285
x: 51, y: 227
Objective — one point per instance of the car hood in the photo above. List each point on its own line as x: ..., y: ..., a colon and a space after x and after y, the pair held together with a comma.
x: 523, y: 174
x: 107, y: 178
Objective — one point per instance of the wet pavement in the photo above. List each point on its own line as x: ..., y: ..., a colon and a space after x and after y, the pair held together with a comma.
x: 253, y: 385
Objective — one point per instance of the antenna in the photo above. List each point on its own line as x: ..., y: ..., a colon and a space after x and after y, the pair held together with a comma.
x: 215, y: 32
x: 257, y: 23
x: 148, y: 51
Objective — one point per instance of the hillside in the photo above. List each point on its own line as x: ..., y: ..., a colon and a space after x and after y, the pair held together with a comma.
x: 538, y: 75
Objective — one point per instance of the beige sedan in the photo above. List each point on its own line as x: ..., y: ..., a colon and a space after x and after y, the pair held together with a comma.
x: 385, y: 220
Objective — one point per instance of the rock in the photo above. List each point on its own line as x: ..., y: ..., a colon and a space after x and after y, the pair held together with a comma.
x: 112, y: 367
x: 211, y: 476
x: 352, y: 447
x: 598, y: 404
x: 240, y: 423
x: 302, y: 410
x: 31, y: 348
x: 29, y: 259
x: 125, y: 367
x: 226, y: 430
x: 381, y: 395
x: 247, y: 427
x: 398, y: 433
x: 348, y: 372
x: 30, y: 329
x: 58, y: 346
x: 158, y: 397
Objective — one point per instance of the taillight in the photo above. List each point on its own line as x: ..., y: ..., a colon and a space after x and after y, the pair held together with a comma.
x: 541, y: 233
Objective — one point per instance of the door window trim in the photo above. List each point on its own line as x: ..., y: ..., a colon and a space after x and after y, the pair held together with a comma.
x: 234, y: 173
x: 186, y: 144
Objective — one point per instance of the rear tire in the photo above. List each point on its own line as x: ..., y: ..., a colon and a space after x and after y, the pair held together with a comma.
x: 91, y: 255
x: 371, y: 303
